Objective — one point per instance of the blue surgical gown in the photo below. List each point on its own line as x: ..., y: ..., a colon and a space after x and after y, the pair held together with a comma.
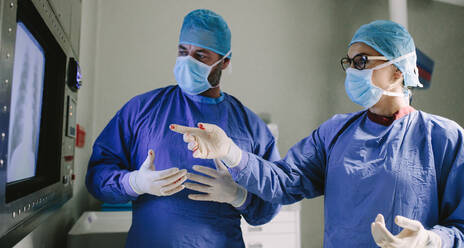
x: 176, y: 221
x: 413, y: 168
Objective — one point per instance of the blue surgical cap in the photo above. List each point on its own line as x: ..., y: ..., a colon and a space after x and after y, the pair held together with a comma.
x: 206, y: 29
x: 392, y: 41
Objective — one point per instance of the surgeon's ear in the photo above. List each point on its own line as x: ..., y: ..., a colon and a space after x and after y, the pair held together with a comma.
x: 226, y: 63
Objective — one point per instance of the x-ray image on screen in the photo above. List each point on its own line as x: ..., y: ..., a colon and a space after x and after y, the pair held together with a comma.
x: 26, y: 106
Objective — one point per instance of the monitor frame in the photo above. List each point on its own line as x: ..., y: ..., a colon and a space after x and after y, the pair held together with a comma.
x: 21, y: 214
x: 50, y: 136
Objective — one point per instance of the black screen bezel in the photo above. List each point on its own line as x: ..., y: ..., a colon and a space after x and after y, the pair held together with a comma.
x: 51, y: 124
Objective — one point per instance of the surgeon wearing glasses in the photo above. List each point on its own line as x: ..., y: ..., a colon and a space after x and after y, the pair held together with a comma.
x: 392, y: 176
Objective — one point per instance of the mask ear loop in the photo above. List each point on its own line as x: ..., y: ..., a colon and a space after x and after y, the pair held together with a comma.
x: 394, y: 61
x: 387, y: 92
x: 223, y: 58
x: 219, y: 61
x: 229, y: 68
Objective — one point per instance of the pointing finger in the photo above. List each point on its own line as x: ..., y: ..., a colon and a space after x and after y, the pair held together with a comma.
x: 207, y: 127
x: 183, y: 129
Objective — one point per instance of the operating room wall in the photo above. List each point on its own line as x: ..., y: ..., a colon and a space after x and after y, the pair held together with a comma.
x: 53, y: 231
x: 285, y: 61
x: 437, y: 31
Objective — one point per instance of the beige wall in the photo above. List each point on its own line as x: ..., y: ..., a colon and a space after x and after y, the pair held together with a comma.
x: 439, y: 32
x: 53, y: 232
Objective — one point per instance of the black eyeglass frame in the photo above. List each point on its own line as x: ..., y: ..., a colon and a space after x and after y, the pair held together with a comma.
x: 356, y: 61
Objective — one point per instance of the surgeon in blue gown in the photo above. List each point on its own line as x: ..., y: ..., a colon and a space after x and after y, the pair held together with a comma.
x: 392, y: 176
x: 165, y: 213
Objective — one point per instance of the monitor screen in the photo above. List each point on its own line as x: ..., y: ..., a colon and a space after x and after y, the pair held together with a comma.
x: 26, y: 106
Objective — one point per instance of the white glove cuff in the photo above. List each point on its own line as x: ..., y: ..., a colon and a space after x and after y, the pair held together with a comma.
x: 133, y: 182
x: 234, y: 155
x: 241, y: 197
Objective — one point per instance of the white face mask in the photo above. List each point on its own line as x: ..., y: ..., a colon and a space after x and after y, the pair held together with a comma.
x: 361, y: 90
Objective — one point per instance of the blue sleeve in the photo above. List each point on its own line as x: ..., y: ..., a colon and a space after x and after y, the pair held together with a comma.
x: 451, y: 190
x: 256, y: 211
x: 299, y: 175
x: 108, y: 170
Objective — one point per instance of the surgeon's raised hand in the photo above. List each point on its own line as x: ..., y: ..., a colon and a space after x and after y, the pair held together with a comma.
x: 218, y: 185
x: 209, y: 141
x: 413, y: 235
x: 160, y: 183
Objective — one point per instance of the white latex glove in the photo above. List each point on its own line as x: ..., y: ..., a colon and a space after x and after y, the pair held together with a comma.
x: 209, y: 141
x: 219, y: 186
x: 413, y: 234
x: 160, y: 183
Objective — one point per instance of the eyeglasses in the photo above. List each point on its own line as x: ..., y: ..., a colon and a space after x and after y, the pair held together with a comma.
x: 359, y: 61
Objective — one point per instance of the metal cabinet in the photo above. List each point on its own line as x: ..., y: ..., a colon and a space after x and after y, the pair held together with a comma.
x: 68, y: 13
x: 75, y: 25
x: 62, y: 9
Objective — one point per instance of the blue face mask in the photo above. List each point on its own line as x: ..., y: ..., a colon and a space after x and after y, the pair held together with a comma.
x: 361, y: 90
x: 192, y: 75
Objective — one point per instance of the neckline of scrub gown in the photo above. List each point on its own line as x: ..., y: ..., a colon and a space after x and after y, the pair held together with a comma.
x: 205, y: 99
x: 388, y: 120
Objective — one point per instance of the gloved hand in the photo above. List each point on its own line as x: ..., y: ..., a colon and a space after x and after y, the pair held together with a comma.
x: 219, y: 186
x: 160, y: 183
x: 413, y: 234
x: 209, y: 142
